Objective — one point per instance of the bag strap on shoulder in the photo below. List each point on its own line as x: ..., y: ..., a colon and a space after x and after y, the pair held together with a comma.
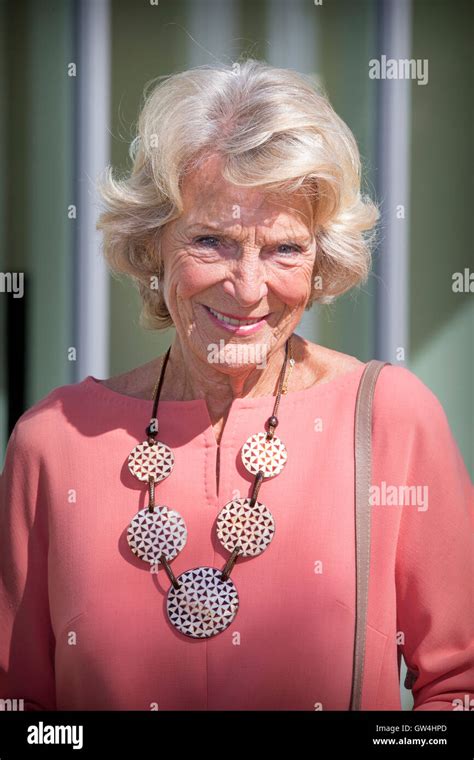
x: 363, y: 475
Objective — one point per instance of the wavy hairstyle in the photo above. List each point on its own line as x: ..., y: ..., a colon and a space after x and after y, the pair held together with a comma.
x: 274, y: 129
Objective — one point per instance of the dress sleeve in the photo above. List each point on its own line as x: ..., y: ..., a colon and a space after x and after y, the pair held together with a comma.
x: 435, y: 560
x: 26, y: 636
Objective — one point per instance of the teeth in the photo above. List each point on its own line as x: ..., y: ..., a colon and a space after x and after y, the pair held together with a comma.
x: 231, y: 321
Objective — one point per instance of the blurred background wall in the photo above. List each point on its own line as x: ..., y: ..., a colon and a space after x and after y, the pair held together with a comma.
x: 72, y: 76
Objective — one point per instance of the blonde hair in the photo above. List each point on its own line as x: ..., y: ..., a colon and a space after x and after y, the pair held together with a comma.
x: 274, y: 129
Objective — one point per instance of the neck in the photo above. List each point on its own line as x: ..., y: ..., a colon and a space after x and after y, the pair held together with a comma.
x: 188, y: 377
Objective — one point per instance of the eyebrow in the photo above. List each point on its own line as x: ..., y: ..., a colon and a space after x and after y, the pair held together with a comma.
x: 301, y: 238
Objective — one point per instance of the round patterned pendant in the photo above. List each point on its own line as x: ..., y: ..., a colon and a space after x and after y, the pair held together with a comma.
x: 204, y: 605
x: 152, y: 534
x: 156, y: 460
x: 267, y: 456
x: 250, y: 528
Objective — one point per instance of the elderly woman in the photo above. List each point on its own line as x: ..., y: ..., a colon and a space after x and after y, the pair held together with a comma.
x: 183, y: 536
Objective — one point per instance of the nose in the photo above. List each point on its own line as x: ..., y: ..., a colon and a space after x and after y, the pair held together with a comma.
x: 246, y: 282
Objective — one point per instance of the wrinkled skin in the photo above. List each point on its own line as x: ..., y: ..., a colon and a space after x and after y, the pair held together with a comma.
x: 242, y: 253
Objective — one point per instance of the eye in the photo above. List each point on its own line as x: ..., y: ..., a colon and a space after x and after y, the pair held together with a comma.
x: 208, y: 241
x: 293, y: 249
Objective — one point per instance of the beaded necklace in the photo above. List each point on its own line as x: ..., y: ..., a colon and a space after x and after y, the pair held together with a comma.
x: 203, y: 601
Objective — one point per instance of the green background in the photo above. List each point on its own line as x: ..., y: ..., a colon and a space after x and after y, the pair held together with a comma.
x: 37, y: 180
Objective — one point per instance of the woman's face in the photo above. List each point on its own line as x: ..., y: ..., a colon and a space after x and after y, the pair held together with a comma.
x: 239, y: 253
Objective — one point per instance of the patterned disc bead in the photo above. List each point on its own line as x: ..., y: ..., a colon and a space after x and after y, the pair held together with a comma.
x: 250, y: 528
x: 261, y: 454
x: 152, y: 534
x: 204, y: 605
x: 156, y: 459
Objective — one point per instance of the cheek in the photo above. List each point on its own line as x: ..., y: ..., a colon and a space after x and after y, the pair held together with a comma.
x: 187, y: 277
x: 293, y: 286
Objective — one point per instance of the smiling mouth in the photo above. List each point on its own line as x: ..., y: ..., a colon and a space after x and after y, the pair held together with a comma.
x: 235, y: 320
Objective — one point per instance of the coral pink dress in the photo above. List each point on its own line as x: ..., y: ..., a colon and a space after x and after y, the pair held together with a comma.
x: 83, y: 622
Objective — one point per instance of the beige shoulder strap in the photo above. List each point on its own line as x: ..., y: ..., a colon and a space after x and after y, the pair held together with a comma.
x: 363, y: 475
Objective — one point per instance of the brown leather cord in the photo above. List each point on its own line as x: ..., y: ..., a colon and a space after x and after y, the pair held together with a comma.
x: 272, y: 422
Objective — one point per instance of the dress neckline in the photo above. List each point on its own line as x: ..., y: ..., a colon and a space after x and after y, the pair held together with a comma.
x: 339, y: 381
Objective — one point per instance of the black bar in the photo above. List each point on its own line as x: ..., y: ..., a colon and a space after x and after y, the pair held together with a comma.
x: 313, y: 734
